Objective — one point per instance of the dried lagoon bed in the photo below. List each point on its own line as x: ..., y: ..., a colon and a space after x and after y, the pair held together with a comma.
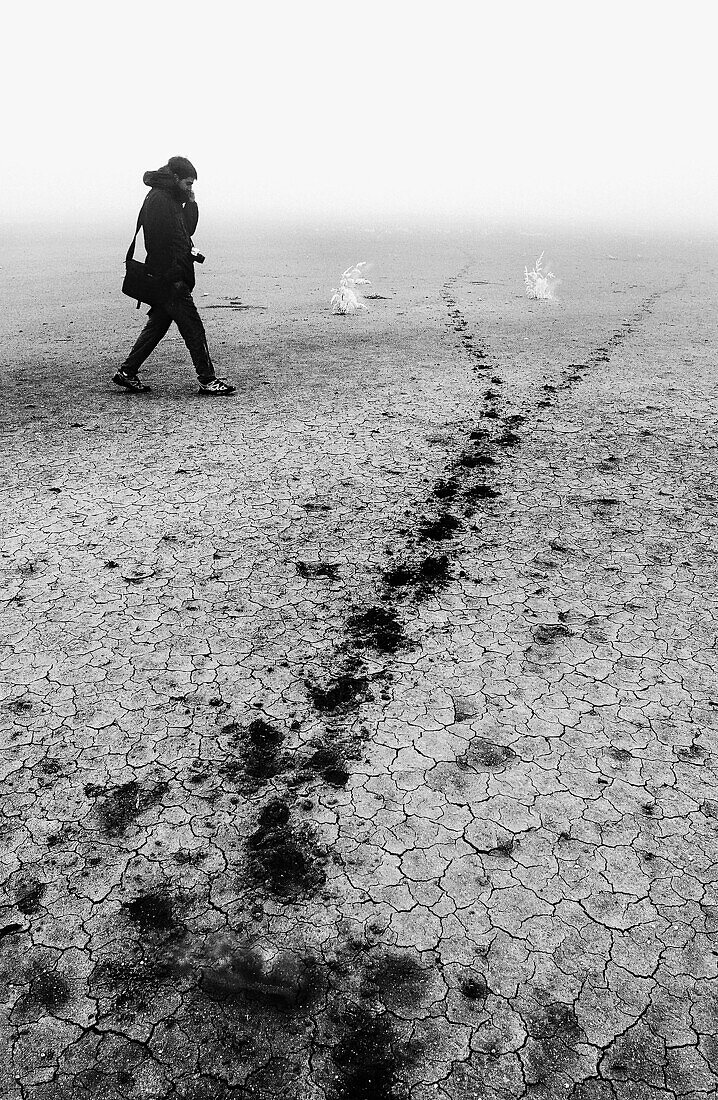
x: 361, y: 727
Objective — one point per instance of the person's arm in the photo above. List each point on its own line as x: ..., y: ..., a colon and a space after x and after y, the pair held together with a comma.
x: 191, y: 214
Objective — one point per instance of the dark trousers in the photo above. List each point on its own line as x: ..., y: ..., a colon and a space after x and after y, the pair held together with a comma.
x: 179, y: 308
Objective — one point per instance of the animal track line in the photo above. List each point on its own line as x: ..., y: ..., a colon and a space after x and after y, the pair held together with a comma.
x: 421, y: 563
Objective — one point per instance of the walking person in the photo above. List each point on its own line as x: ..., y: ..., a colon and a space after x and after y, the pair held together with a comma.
x: 168, y: 218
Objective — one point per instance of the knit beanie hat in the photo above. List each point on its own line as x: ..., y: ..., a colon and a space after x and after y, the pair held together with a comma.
x: 182, y: 167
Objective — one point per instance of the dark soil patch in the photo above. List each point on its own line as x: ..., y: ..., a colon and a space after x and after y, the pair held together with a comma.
x: 431, y: 573
x: 481, y: 492
x: 152, y: 913
x: 28, y: 897
x: 287, y: 979
x: 330, y: 762
x: 282, y: 857
x: 118, y: 807
x: 473, y: 987
x: 485, y: 754
x: 472, y: 459
x: 365, y: 1064
x: 550, y: 633
x: 131, y: 985
x: 398, y: 979
x: 49, y: 767
x: 399, y: 577
x: 378, y: 627
x: 508, y: 439
x: 446, y: 490
x: 693, y: 754
x: 274, y: 814
x: 345, y: 690
x: 555, y: 1018
x: 10, y: 930
x: 620, y: 755
x: 318, y: 569
x: 443, y: 527
x: 503, y: 847
x: 261, y: 750
x: 233, y: 305
x: 47, y: 990
x: 19, y: 706
x: 550, y: 1060
x: 433, y: 570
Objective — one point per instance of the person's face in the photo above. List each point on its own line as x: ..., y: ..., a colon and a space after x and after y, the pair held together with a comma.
x: 186, y: 184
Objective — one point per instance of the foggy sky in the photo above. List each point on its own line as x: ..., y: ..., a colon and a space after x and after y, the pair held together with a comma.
x: 376, y: 110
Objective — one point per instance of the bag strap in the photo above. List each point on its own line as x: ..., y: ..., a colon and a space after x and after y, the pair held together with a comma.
x: 131, y: 249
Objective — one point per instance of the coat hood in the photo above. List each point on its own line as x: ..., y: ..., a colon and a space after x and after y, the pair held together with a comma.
x: 164, y: 178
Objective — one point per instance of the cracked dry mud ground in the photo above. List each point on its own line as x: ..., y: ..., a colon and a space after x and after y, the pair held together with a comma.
x: 360, y: 731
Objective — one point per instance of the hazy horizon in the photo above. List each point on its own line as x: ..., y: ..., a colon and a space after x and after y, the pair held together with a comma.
x: 382, y: 114
x: 219, y: 224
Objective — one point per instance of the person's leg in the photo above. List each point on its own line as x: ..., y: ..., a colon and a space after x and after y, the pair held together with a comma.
x: 186, y: 316
x: 158, y: 322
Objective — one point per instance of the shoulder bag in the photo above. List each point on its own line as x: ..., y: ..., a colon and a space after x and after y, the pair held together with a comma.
x: 138, y: 283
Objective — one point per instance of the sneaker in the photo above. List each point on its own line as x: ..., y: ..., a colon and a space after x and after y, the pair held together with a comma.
x: 129, y: 382
x: 218, y: 386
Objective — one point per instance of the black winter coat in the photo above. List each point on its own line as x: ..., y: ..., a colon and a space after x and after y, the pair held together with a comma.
x: 168, y: 226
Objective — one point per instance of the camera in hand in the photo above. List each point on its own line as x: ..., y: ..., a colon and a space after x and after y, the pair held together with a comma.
x: 197, y: 256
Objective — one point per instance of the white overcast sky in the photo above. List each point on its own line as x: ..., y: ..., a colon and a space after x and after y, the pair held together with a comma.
x: 382, y: 109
